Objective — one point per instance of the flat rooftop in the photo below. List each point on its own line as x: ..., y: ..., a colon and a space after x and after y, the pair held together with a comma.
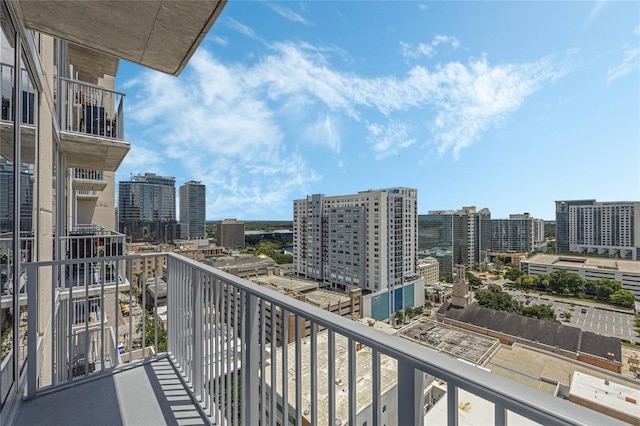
x: 388, y: 376
x: 285, y: 284
x: 614, y: 396
x: 452, y: 341
x: 472, y: 410
x: 632, y: 266
x: 541, y: 370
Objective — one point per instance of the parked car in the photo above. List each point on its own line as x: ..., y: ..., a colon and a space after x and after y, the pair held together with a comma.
x: 583, y: 310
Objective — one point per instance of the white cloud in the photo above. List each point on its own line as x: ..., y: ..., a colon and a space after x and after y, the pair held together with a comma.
x: 389, y: 140
x: 325, y: 132
x: 422, y: 6
x: 234, y: 126
x: 595, y: 11
x: 636, y: 30
x: 630, y: 63
x: 288, y: 14
x: 427, y: 49
x: 241, y: 28
x: 220, y: 40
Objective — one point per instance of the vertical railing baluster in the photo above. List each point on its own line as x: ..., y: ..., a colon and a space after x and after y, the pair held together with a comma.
x: 299, y: 370
x: 263, y: 362
x: 500, y: 415
x: 331, y: 376
x: 274, y: 383
x: 217, y: 351
x: 143, y: 290
x: 236, y: 391
x: 452, y: 404
x: 375, y: 386
x: 155, y: 305
x: 285, y: 366
x: 352, y: 382
x: 32, y: 328
x: 314, y: 373
x: 227, y: 364
x: 197, y: 361
x: 251, y: 360
x: 410, y: 395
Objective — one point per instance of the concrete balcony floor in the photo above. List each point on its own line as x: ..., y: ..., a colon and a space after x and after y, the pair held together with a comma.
x: 145, y: 394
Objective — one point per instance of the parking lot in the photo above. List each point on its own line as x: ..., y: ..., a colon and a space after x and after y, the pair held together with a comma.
x: 593, y: 319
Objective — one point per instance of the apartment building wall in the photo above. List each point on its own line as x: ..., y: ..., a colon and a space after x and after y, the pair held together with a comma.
x: 512, y: 235
x: 368, y: 239
x: 611, y: 228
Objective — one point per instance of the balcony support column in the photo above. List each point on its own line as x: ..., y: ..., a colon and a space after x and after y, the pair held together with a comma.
x: 251, y: 350
x: 32, y: 331
x: 410, y: 395
x: 197, y: 364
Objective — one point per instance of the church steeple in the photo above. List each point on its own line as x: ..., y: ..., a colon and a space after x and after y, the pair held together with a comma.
x: 461, y: 296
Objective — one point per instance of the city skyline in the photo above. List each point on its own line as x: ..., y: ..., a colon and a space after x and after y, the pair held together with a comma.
x: 470, y: 103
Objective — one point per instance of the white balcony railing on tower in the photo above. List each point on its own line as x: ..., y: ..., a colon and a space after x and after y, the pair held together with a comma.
x: 221, y: 335
x: 91, y: 109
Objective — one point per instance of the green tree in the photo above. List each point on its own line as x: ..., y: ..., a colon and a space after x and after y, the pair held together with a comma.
x: 400, y: 317
x: 606, y: 287
x: 542, y: 312
x: 149, y: 334
x: 474, y: 281
x: 494, y: 298
x: 623, y: 298
x: 409, y: 312
x: 513, y: 273
x: 266, y: 247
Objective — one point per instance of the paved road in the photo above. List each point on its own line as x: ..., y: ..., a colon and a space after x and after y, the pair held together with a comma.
x: 594, y: 319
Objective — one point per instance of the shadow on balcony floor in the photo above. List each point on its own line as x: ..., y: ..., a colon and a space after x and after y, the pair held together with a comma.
x: 149, y: 394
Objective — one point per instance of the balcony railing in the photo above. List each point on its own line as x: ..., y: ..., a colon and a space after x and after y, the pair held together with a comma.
x: 88, y: 174
x: 221, y: 339
x: 91, y: 109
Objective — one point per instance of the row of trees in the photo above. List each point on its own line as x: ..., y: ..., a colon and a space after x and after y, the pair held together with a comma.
x: 494, y: 298
x: 567, y: 283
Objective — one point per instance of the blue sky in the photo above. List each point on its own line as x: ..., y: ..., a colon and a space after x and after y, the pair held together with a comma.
x: 504, y: 105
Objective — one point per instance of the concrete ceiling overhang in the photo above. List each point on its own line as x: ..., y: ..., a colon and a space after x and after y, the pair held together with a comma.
x: 158, y: 34
x: 91, y: 64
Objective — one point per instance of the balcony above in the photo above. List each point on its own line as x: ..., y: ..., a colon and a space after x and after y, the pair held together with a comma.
x: 162, y: 35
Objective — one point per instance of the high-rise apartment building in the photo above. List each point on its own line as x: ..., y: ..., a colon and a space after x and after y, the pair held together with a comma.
x: 513, y: 235
x: 589, y: 226
x: 193, y: 206
x: 453, y: 237
x: 230, y: 233
x: 147, y: 207
x: 538, y: 230
x: 368, y: 239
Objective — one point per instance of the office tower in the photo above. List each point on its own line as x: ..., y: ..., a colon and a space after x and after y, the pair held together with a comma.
x: 230, y: 233
x: 608, y: 228
x: 453, y: 237
x: 368, y: 239
x: 513, y: 235
x: 147, y: 207
x: 193, y: 206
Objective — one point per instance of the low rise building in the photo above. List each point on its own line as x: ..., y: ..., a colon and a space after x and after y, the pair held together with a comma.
x: 429, y: 269
x: 610, y: 398
x: 589, y: 268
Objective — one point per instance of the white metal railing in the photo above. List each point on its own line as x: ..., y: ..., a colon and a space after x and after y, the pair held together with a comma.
x: 221, y: 337
x: 88, y: 108
x: 88, y: 174
x: 6, y: 95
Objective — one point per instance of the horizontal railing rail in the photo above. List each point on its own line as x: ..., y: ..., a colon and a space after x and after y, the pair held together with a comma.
x: 223, y: 333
